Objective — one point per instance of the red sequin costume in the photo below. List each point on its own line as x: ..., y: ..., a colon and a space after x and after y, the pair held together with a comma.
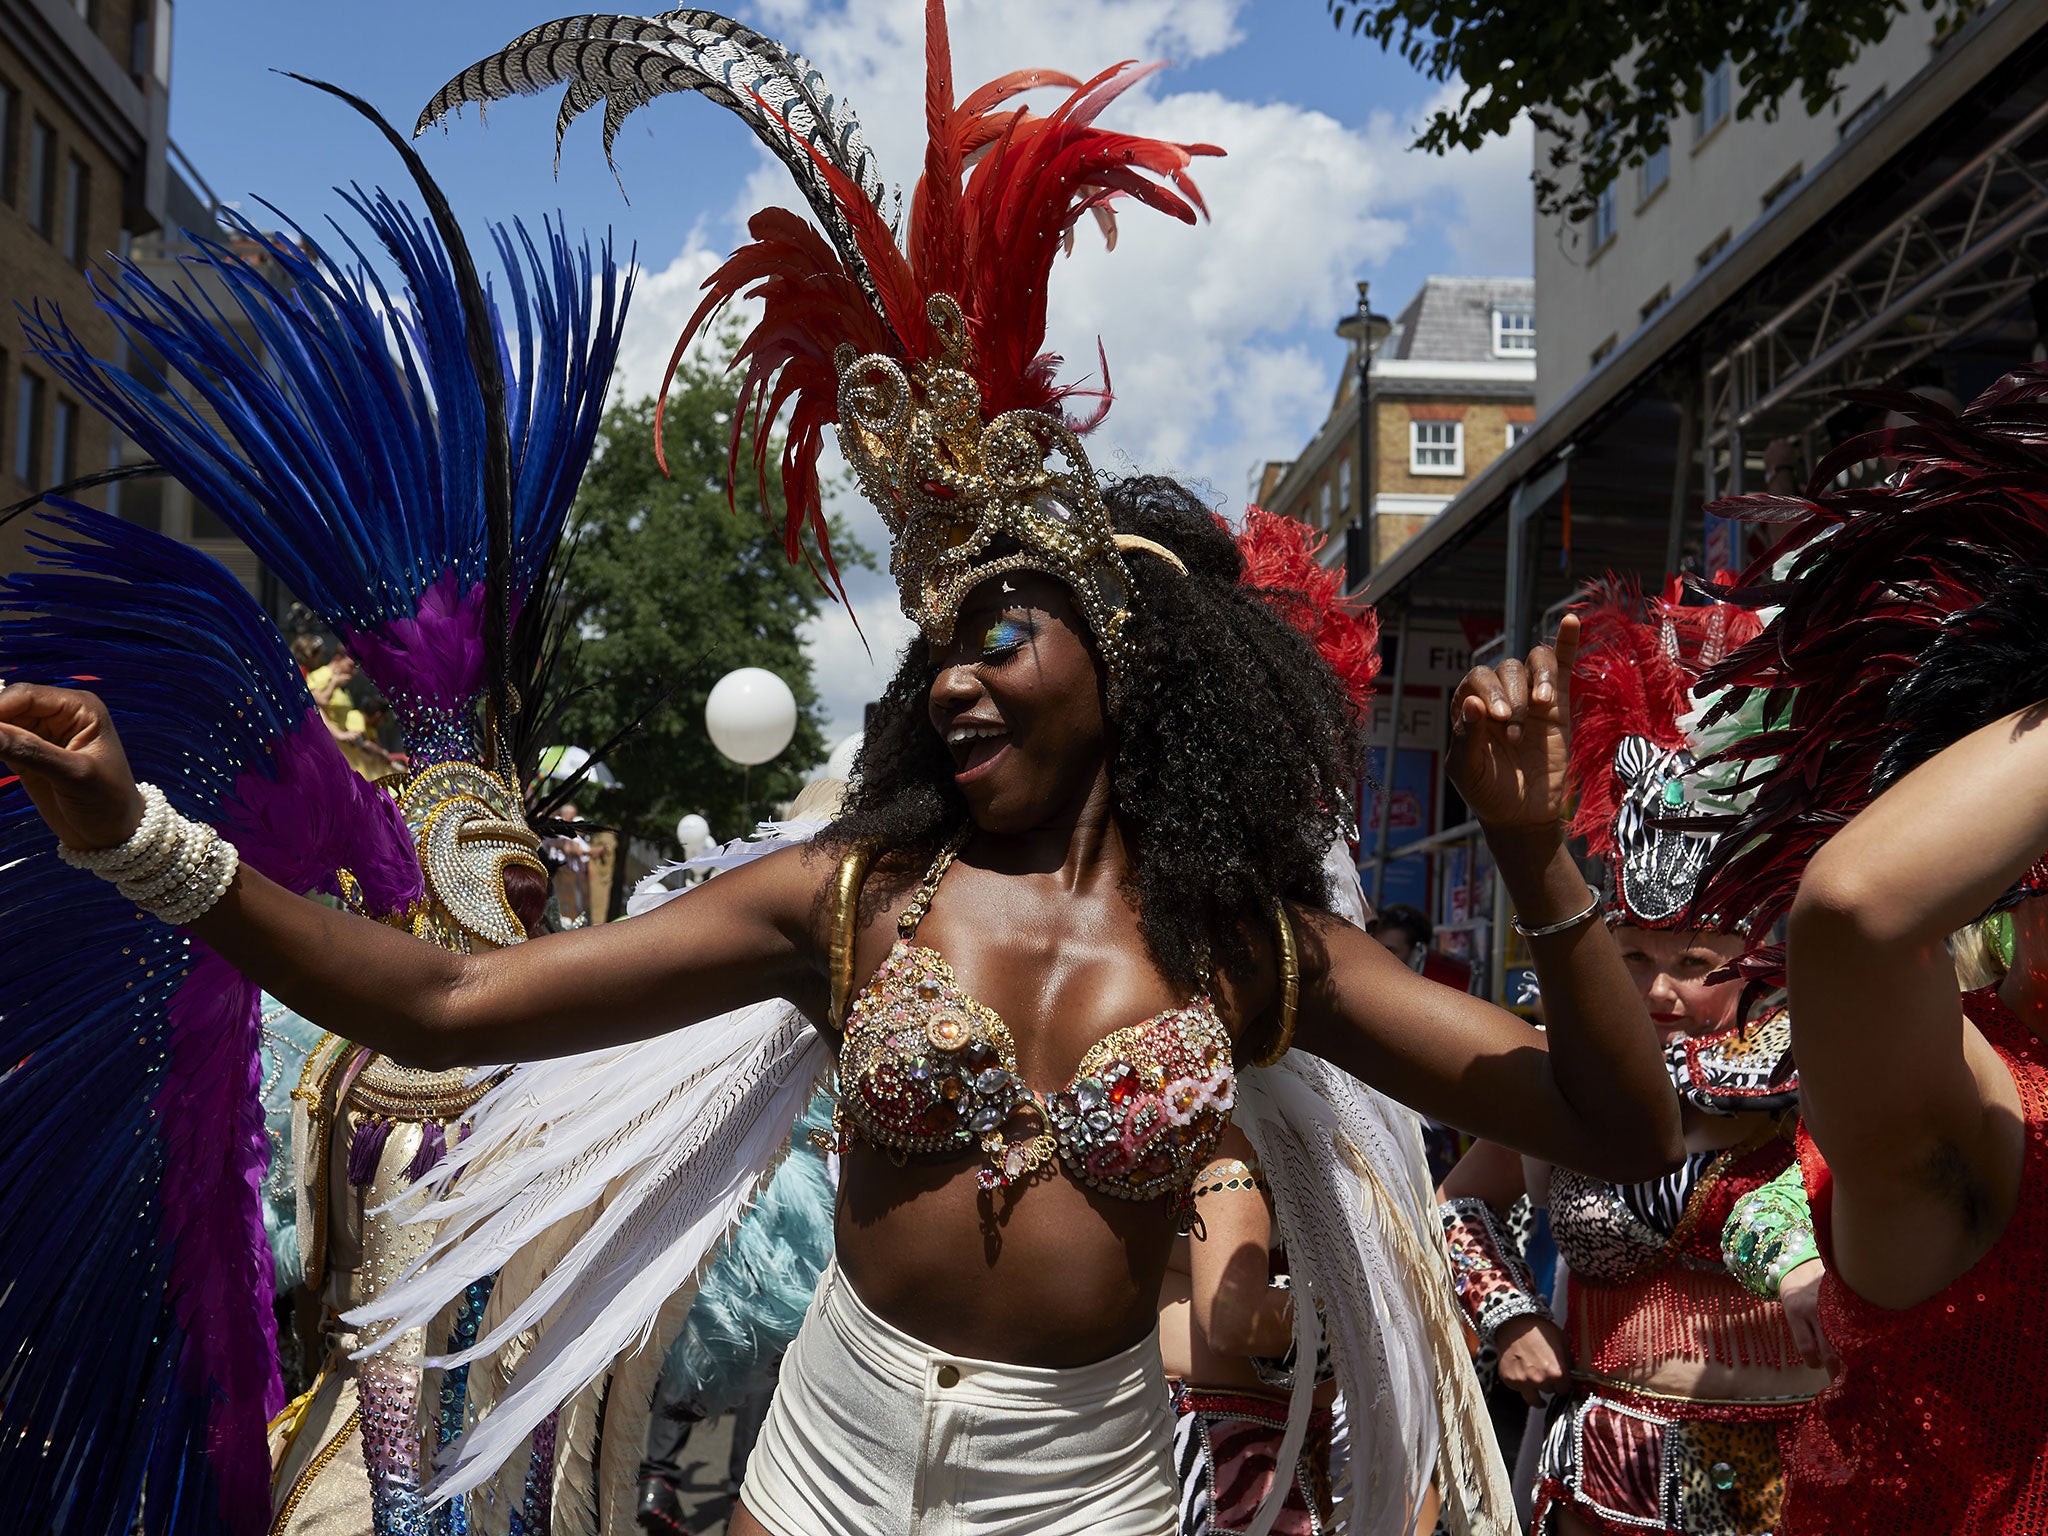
x: 1938, y: 1420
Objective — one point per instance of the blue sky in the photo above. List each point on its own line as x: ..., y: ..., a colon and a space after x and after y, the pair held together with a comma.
x: 1218, y: 338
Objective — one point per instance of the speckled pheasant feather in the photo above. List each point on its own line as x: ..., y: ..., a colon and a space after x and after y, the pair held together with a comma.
x: 627, y: 61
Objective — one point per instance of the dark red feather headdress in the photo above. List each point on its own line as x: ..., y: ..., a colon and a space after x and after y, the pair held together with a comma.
x: 1909, y: 613
x: 1002, y: 191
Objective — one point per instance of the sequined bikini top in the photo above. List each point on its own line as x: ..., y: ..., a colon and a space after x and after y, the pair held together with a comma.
x: 925, y: 1067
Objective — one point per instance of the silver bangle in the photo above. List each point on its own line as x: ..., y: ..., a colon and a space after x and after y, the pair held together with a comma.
x: 1569, y: 923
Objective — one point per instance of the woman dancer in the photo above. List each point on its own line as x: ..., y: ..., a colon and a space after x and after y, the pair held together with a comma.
x: 1078, y: 807
x: 1904, y: 676
x: 1670, y: 1381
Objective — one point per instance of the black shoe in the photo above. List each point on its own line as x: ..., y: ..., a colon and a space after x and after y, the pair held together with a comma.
x: 661, y: 1509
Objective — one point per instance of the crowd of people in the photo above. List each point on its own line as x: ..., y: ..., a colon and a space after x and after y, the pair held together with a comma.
x: 1032, y: 1128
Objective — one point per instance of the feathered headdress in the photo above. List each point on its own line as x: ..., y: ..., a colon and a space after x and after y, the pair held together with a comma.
x: 1631, y: 744
x: 928, y: 357
x: 1910, y: 613
x: 405, y: 467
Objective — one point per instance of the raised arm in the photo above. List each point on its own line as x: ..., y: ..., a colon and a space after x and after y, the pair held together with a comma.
x: 1591, y: 1093
x: 1915, y: 1114
x: 745, y: 937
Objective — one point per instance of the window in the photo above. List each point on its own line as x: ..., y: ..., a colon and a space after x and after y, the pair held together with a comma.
x: 1514, y: 331
x: 1436, y: 447
x: 10, y: 138
x: 28, y: 431
x: 1604, y: 220
x: 1862, y: 117
x: 77, y: 210
x: 1326, y: 503
x: 1344, y: 484
x: 42, y: 178
x: 1655, y: 302
x: 1517, y: 430
x: 1717, y: 88
x: 1654, y: 172
x: 64, y: 443
x: 1602, y: 352
x: 1714, y: 248
x: 1781, y: 186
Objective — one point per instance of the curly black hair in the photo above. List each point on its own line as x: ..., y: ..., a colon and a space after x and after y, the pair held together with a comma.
x: 1235, y: 750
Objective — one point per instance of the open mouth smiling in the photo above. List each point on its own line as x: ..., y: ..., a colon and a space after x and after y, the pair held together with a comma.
x: 975, y: 745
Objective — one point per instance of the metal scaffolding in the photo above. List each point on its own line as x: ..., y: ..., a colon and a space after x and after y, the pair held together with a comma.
x: 1949, y: 266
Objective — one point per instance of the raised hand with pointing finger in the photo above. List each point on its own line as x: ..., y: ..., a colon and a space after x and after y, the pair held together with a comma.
x: 1511, y: 735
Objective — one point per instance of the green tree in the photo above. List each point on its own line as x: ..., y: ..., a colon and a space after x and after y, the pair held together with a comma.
x: 672, y: 586
x: 1607, y: 78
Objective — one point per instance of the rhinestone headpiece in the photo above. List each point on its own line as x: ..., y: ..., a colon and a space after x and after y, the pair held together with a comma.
x: 469, y: 829
x: 867, y: 333
x: 1633, y: 753
x: 967, y: 499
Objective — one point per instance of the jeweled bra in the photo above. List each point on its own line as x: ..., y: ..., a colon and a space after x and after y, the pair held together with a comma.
x: 925, y: 1067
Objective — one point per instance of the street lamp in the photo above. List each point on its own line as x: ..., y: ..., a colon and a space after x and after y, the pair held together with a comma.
x: 1365, y: 331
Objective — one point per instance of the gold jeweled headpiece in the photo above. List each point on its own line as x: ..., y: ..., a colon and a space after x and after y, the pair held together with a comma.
x: 966, y: 500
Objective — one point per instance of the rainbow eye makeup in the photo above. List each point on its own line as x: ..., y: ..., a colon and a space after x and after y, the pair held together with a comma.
x: 1005, y: 636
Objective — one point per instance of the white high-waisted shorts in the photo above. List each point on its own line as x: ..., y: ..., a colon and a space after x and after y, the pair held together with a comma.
x: 874, y: 1433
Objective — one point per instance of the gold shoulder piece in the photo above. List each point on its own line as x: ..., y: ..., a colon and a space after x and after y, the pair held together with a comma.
x: 853, y: 873
x: 1290, y: 986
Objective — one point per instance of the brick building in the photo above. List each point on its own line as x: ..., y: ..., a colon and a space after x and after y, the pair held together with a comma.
x: 84, y: 147
x: 1453, y: 386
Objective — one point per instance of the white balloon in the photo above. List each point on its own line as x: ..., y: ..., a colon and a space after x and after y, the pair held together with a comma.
x: 840, y: 764
x: 693, y: 832
x: 751, y: 715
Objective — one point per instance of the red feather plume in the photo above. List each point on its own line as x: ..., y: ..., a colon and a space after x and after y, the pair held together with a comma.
x: 1628, y: 681
x: 1279, y: 556
x: 1001, y: 192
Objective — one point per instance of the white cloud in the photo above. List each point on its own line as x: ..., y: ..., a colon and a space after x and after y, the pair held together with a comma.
x: 1493, y: 227
x: 1218, y: 335
x: 664, y: 298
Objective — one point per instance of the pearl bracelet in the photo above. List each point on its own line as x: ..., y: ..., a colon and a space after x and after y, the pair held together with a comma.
x: 170, y: 866
x: 141, y: 844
